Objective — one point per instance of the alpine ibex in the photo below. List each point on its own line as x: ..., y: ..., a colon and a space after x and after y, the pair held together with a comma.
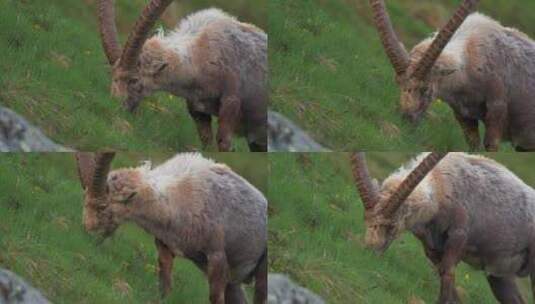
x: 216, y: 63
x: 195, y: 208
x: 463, y: 208
x: 481, y: 69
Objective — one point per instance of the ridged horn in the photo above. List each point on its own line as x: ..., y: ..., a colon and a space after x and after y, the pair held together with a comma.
x: 431, y: 55
x: 363, y: 181
x: 108, y: 30
x: 151, y: 13
x: 93, y: 171
x: 411, y: 182
x: 396, y: 52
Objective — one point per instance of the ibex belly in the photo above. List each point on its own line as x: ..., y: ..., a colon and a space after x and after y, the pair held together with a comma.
x: 470, y: 105
x: 201, y: 100
x: 499, y: 265
x: 206, y: 106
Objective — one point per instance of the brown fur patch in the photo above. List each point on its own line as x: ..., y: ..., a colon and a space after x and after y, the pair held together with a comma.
x: 474, y: 59
x: 154, y: 49
x: 202, y: 47
x: 190, y: 198
x: 206, y: 59
x: 153, y: 44
x: 446, y: 61
x: 220, y: 168
x: 440, y: 188
x: 172, y: 59
x: 251, y: 28
x: 122, y: 183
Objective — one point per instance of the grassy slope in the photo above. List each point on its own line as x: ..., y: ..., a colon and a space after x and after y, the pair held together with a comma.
x: 316, y: 234
x: 330, y: 74
x: 54, y: 73
x: 42, y: 239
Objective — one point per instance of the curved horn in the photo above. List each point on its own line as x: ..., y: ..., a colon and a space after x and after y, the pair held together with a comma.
x: 93, y: 171
x: 441, y: 40
x: 86, y: 165
x: 399, y: 58
x: 363, y: 180
x: 108, y: 30
x: 137, y: 37
x: 411, y: 182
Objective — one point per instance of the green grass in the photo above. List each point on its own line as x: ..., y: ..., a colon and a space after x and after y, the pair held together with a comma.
x: 316, y: 234
x: 55, y: 74
x: 330, y: 75
x: 42, y: 238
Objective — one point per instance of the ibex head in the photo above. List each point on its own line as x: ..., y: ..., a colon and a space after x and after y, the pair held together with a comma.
x: 108, y: 194
x: 382, y: 204
x: 137, y: 68
x: 418, y: 73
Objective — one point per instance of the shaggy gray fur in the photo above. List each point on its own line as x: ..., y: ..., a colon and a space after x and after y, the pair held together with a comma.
x: 501, y: 214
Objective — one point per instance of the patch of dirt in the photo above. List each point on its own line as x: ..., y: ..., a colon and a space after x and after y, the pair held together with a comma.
x: 415, y: 300
x: 389, y: 129
x: 61, y: 60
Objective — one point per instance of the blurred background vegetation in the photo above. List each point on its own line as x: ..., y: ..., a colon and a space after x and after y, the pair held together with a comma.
x: 329, y: 72
x: 42, y: 238
x: 316, y: 234
x: 55, y: 74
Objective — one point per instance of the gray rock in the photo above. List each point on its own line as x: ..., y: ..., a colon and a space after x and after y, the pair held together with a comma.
x: 17, y: 135
x: 285, y: 136
x: 281, y: 290
x: 14, y: 290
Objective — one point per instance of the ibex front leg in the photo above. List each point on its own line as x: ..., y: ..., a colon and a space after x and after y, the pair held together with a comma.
x: 453, y: 251
x: 496, y: 116
x: 203, y: 123
x: 471, y: 132
x: 261, y: 284
x: 505, y: 290
x: 234, y: 294
x: 165, y: 267
x: 229, y: 114
x: 218, y: 276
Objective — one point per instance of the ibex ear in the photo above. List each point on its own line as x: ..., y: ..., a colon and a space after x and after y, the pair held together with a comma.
x: 444, y: 67
x: 375, y: 184
x: 146, y: 165
x: 158, y: 67
x: 446, y: 72
x: 129, y: 198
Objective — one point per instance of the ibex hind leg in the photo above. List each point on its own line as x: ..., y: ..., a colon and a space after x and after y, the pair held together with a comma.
x: 261, y: 281
x: 203, y: 123
x: 165, y: 267
x: 218, y: 275
x: 234, y: 294
x: 505, y: 290
x: 521, y: 149
x: 257, y: 147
